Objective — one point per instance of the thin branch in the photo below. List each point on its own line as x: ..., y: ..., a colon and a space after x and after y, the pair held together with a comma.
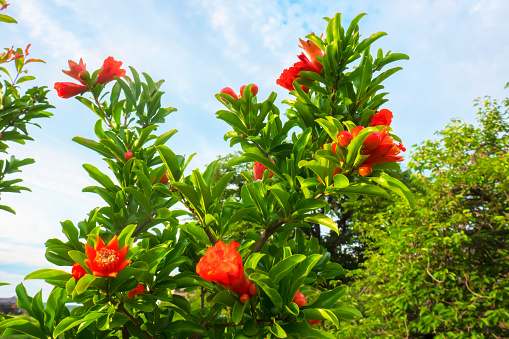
x: 102, y: 111
x: 211, y: 237
x: 265, y: 236
x: 135, y: 321
x: 427, y: 270
x: 477, y: 295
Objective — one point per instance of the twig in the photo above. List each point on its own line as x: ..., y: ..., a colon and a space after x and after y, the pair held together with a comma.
x: 427, y: 270
x: 136, y: 323
x: 102, y: 110
x: 477, y: 295
x: 265, y: 236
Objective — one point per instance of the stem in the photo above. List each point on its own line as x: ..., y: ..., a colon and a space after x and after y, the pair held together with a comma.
x: 125, y: 333
x: 136, y: 323
x: 265, y: 236
x: 102, y: 111
x: 137, y: 231
x: 261, y: 150
x: 202, y: 298
x: 211, y: 237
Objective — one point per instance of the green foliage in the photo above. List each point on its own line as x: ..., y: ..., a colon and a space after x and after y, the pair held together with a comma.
x: 441, y: 269
x: 17, y: 111
x: 162, y: 245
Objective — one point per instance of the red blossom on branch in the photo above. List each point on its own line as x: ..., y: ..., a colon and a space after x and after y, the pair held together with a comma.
x: 386, y: 151
x: 69, y: 89
x: 258, y: 169
x: 106, y: 261
x: 111, y: 68
x: 76, y: 70
x: 78, y: 271
x: 382, y: 118
x: 223, y: 265
x: 289, y: 75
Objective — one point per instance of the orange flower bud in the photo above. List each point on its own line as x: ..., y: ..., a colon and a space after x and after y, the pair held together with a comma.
x: 344, y: 138
x: 299, y: 299
x: 244, y: 298
x: 140, y: 289
x: 252, y: 290
x: 365, y: 170
x: 78, y: 272
x: 254, y: 90
x: 128, y: 156
x: 229, y: 91
x: 355, y: 132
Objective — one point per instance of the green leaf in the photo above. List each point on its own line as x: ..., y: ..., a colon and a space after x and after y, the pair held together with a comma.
x: 54, y: 305
x: 161, y: 140
x: 278, y: 331
x: 49, y: 273
x: 303, y: 330
x: 7, y: 208
x: 71, y: 232
x: 84, y: 283
x: 171, y: 161
x: 101, y: 178
x: 142, y: 302
x: 267, y: 285
x: 283, y: 197
x: 224, y: 297
x: 252, y: 260
x: 237, y: 312
x: 8, y: 19
x: 24, y: 300
x: 301, y: 272
x: 73, y: 321
x: 327, y: 299
x: 79, y: 257
x: 363, y: 188
x: 322, y: 219
x: 178, y: 326
x: 396, y: 186
x: 94, y: 145
x: 23, y: 326
x: 284, y: 267
x: 321, y: 313
x: 346, y: 313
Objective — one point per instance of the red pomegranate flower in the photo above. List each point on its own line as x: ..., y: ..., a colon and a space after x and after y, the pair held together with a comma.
x: 69, y: 89
x: 223, y: 265
x: 258, y: 169
x: 78, y: 272
x: 289, y: 75
x: 313, y: 51
x: 140, y: 289
x: 110, y: 68
x: 75, y: 70
x: 382, y: 118
x: 387, y: 151
x: 106, y: 261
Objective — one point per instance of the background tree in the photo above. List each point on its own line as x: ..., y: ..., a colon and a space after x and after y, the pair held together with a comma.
x: 441, y: 270
x: 17, y: 110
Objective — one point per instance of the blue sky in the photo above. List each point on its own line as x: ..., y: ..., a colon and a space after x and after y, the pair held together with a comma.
x: 458, y: 51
